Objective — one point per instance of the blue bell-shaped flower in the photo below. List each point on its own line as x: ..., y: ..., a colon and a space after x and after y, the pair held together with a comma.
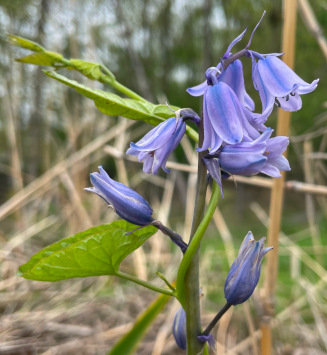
x: 128, y: 204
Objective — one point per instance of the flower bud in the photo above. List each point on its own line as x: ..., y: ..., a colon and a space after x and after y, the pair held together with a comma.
x: 179, y: 328
x: 128, y: 204
x: 244, y: 274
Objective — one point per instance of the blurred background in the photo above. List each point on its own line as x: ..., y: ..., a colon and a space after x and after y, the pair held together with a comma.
x: 51, y: 138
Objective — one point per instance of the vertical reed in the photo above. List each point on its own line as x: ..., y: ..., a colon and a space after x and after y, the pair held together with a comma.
x: 277, y: 192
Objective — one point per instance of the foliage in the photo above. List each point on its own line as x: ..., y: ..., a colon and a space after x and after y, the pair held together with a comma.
x: 96, y: 251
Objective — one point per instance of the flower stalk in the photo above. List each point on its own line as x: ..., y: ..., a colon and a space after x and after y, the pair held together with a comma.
x: 216, y: 319
x: 144, y: 283
x: 191, y: 271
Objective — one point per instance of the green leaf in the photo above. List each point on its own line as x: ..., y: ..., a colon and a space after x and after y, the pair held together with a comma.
x: 41, y: 58
x: 90, y: 70
x: 114, y: 105
x: 136, y: 108
x: 25, y: 43
x: 128, y: 343
x: 94, y: 252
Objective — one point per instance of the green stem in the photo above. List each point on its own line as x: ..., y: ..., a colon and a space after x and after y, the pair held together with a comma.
x: 205, y: 349
x: 122, y: 88
x: 109, y: 79
x: 195, y: 242
x: 144, y: 283
x: 163, y: 278
x: 189, y: 284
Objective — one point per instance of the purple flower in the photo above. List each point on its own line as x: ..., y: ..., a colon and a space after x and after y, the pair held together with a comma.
x: 226, y: 108
x: 244, y: 274
x: 277, y: 83
x: 156, y: 146
x: 232, y: 76
x: 263, y: 155
x: 179, y: 328
x: 127, y: 203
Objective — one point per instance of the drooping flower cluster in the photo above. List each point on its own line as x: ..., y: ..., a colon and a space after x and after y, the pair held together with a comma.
x: 236, y: 138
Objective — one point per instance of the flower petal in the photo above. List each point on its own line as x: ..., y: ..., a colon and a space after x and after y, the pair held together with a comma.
x: 280, y: 79
x: 158, y: 136
x: 233, y: 77
x: 127, y: 203
x: 291, y: 102
x: 224, y: 111
x: 267, y: 99
x: 198, y: 90
x: 242, y: 164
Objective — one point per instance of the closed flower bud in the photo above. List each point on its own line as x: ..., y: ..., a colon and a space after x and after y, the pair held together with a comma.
x: 179, y: 328
x: 244, y: 274
x: 128, y: 204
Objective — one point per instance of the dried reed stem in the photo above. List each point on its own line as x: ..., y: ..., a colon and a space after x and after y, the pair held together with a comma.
x: 277, y: 192
x: 311, y: 22
x: 45, y: 180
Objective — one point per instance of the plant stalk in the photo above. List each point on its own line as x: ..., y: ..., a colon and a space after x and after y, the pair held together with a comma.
x: 215, y: 320
x: 192, y: 287
x: 144, y: 283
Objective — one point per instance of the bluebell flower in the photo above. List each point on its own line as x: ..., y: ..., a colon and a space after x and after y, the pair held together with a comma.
x: 262, y: 155
x: 244, y: 273
x: 179, y: 328
x: 232, y: 76
x: 227, y: 107
x: 278, y: 84
x: 157, y: 145
x: 128, y: 204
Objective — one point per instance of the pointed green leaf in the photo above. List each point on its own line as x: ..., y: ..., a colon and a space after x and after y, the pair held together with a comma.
x: 136, y: 108
x: 96, y: 251
x: 41, y: 58
x: 128, y: 343
x: 90, y: 70
x: 25, y: 43
x: 114, y: 105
